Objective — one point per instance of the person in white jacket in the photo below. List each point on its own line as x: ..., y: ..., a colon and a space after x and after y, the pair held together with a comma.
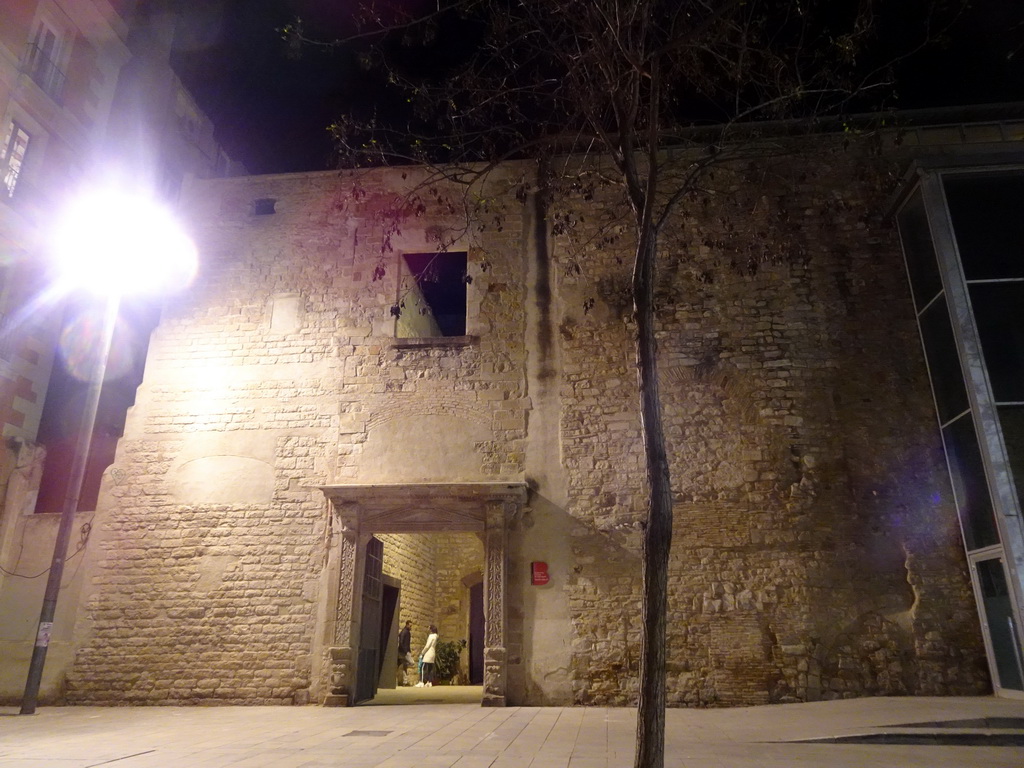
x: 427, y: 656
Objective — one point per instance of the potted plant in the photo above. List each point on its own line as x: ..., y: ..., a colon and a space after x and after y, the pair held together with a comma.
x: 446, y: 660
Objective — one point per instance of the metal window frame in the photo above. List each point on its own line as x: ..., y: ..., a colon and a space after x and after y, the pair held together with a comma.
x: 10, y: 173
x: 983, y: 406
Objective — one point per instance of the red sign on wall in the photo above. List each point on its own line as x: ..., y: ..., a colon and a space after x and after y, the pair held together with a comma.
x: 539, y: 573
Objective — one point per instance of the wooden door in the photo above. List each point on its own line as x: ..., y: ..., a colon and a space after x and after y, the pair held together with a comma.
x: 369, y: 623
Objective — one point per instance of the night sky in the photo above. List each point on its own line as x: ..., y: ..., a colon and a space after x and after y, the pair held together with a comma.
x: 272, y: 108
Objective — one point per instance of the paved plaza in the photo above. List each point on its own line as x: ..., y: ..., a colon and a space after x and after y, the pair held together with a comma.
x: 433, y: 728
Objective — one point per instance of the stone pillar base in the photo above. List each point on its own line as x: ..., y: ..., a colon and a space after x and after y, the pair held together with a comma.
x: 341, y: 672
x: 494, y: 677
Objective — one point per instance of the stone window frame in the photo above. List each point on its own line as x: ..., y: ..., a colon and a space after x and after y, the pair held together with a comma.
x: 34, y: 155
x: 402, y: 271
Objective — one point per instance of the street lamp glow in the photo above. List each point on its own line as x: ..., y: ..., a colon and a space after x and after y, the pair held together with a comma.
x: 116, y: 242
x: 110, y: 243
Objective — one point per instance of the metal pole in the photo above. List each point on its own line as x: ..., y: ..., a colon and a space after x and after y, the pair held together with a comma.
x: 67, y: 515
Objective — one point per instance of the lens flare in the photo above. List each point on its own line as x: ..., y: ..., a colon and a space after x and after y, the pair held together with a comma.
x: 81, y: 343
x: 113, y: 242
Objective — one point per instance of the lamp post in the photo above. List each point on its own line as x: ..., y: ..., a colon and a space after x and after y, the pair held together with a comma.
x: 110, y: 243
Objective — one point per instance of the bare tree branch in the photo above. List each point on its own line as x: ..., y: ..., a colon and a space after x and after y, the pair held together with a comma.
x: 626, y: 80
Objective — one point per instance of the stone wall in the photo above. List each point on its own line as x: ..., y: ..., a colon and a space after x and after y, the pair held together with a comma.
x: 812, y: 504
x: 412, y: 558
x: 460, y: 564
x: 461, y: 557
x: 212, y: 529
x: 196, y: 601
x: 816, y: 551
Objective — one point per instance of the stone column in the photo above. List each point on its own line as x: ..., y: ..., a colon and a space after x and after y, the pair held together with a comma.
x: 495, y: 560
x: 340, y: 651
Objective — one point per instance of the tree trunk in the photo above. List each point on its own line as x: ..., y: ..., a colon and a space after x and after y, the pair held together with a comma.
x: 650, y: 729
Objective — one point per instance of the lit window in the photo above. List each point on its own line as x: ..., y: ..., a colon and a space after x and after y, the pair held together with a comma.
x: 15, y: 146
x: 432, y: 295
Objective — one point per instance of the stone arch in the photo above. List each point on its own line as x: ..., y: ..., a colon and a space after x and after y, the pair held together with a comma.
x: 359, y: 511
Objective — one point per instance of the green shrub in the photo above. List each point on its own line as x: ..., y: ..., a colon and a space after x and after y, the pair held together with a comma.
x: 446, y: 659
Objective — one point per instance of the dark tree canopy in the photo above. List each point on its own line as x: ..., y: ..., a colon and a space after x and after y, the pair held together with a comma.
x: 479, y: 80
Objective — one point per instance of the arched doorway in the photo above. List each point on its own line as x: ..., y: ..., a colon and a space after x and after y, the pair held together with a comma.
x: 360, y: 511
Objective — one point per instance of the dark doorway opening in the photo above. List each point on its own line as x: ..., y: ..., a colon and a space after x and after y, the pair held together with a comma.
x: 389, y: 606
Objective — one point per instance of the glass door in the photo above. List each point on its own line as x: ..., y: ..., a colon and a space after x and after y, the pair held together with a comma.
x: 999, y: 625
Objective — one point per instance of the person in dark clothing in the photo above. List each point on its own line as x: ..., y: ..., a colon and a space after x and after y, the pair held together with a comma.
x: 404, y: 653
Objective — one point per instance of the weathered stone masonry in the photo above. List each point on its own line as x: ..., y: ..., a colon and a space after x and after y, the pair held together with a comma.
x: 806, y: 465
x: 816, y: 551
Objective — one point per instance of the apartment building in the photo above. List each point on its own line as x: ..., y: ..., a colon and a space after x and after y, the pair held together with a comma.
x: 86, y: 89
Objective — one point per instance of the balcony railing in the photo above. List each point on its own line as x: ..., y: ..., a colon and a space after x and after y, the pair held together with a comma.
x: 10, y: 179
x: 44, y: 72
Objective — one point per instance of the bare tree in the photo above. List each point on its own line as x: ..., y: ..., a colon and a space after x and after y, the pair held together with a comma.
x: 626, y: 79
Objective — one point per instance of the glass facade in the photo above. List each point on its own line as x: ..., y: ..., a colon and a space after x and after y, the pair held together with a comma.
x: 963, y: 242
x: 997, y: 607
x: 925, y: 281
x: 967, y: 472
x: 943, y: 361
x: 1011, y: 418
x: 987, y: 212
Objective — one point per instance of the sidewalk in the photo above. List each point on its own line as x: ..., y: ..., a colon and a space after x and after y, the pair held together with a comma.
x: 459, y: 735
